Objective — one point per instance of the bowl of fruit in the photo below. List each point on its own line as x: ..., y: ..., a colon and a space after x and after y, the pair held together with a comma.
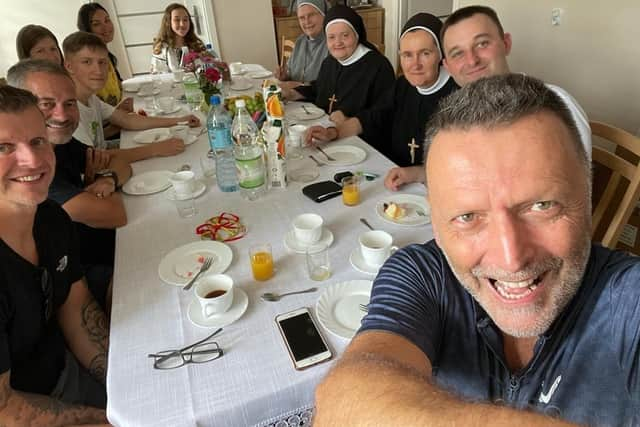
x: 254, y: 104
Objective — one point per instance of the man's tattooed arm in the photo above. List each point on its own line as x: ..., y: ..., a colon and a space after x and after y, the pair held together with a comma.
x: 28, y: 409
x: 94, y: 322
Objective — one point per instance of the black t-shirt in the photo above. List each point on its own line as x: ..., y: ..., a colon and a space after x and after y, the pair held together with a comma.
x: 97, y: 244
x: 31, y: 346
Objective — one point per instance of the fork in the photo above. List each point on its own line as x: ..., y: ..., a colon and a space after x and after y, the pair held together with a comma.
x: 205, y: 266
x: 364, y: 307
x: 305, y: 109
x: 331, y: 159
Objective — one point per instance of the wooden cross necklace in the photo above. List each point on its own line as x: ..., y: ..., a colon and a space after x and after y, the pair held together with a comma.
x: 331, y: 101
x: 412, y: 150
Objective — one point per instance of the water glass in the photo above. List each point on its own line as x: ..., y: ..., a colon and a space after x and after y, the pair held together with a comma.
x: 186, y: 206
x: 318, y: 264
x: 261, y: 261
x: 208, y: 164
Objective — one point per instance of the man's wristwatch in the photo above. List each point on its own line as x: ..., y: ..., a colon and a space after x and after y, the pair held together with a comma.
x: 108, y: 173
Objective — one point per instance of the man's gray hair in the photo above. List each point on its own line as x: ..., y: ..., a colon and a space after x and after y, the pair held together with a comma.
x: 501, y: 100
x: 14, y: 100
x: 18, y: 73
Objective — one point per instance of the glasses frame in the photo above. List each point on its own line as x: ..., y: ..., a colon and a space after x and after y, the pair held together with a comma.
x: 186, y: 353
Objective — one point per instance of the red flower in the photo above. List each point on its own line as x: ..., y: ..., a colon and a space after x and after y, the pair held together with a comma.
x: 212, y: 75
x: 190, y: 57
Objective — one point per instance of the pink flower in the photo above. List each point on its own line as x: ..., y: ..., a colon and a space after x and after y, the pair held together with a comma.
x: 212, y: 74
x: 190, y: 57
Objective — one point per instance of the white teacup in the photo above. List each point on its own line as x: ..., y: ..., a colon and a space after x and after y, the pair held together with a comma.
x: 167, y: 103
x: 215, y: 294
x: 184, y: 183
x: 178, y: 75
x: 180, y: 131
x: 307, y: 228
x: 236, y: 68
x: 375, y: 247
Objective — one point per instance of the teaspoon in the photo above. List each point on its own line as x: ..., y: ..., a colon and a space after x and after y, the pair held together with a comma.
x: 272, y: 296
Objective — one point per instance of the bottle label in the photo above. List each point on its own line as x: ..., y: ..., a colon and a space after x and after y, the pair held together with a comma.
x: 250, y: 172
x: 221, y: 138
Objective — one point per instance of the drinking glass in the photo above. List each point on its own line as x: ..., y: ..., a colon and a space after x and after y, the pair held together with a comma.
x: 351, y: 190
x: 261, y: 261
x: 318, y: 264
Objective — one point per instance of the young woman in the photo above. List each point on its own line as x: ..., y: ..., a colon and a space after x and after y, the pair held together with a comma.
x: 93, y: 18
x: 354, y: 76
x: 175, y: 38
x: 37, y: 42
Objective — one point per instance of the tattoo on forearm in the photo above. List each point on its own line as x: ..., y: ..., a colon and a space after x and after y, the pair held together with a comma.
x: 95, y: 323
x: 35, y: 409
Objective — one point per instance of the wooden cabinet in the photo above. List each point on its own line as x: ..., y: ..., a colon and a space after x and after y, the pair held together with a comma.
x: 373, y: 18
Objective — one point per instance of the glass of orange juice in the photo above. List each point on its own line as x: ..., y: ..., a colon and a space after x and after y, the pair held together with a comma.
x: 261, y: 261
x: 351, y: 190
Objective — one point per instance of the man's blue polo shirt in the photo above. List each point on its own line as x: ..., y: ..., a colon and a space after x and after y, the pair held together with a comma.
x: 585, y: 369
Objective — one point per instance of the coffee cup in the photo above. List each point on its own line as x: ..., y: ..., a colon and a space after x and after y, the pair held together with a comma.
x: 235, y: 68
x: 166, y: 103
x: 184, y: 183
x: 214, y: 293
x: 178, y: 75
x: 180, y: 131
x: 375, y: 247
x: 307, y: 228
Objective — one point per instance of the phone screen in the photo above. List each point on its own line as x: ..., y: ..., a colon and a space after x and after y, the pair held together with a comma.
x: 303, y: 337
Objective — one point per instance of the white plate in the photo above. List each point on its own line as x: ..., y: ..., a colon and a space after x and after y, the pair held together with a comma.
x: 241, y: 84
x: 130, y: 86
x: 338, y: 307
x: 147, y: 183
x: 412, y: 203
x: 344, y: 155
x: 155, y: 91
x: 200, y: 187
x: 298, y: 113
x: 260, y: 74
x: 190, y: 139
x: 291, y: 243
x: 360, y: 265
x: 237, y: 309
x: 180, y: 265
x: 175, y: 109
x: 152, y: 135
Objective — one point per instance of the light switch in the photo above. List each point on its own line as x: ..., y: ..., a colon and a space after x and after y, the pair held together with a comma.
x: 556, y: 16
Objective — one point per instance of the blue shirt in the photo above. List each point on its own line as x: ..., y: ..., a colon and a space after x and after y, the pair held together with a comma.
x: 585, y: 368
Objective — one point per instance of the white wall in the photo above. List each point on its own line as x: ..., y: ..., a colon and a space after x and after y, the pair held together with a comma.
x: 245, y: 31
x: 57, y: 15
x: 594, y: 54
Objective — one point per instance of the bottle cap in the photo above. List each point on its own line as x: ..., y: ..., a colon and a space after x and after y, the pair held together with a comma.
x: 240, y: 103
x: 214, y: 100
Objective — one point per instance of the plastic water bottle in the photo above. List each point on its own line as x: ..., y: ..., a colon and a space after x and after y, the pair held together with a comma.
x: 248, y: 153
x: 219, y: 130
x: 211, y: 50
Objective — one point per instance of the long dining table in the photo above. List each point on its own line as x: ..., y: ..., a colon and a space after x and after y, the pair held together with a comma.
x: 254, y: 382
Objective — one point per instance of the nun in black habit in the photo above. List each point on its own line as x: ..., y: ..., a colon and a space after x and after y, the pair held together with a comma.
x: 355, y: 75
x: 396, y: 124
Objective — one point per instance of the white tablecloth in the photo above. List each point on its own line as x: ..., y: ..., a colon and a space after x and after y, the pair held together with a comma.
x: 254, y: 383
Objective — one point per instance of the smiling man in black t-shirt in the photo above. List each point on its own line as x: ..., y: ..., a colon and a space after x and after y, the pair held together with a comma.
x: 53, y: 335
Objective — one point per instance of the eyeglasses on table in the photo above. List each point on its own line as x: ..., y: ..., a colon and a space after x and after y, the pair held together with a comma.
x: 200, y: 352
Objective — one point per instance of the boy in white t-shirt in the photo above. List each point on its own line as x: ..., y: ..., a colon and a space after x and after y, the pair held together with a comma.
x: 86, y: 60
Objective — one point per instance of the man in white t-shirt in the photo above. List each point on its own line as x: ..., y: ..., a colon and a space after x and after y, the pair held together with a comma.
x: 476, y: 46
x: 86, y: 60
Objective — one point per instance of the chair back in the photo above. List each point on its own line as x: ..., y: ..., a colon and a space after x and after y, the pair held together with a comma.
x: 286, y: 49
x: 623, y: 167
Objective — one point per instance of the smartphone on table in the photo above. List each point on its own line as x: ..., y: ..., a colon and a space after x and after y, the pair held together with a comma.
x: 302, y: 337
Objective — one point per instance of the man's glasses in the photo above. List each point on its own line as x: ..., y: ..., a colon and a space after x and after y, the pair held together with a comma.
x: 47, y: 291
x: 200, y: 352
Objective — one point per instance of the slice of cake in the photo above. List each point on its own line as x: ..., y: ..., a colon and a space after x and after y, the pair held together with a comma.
x: 394, y: 211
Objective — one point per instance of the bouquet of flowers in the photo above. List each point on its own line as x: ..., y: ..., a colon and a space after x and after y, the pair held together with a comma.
x: 209, y: 70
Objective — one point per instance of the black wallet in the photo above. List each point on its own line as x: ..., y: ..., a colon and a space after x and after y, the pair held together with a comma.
x: 321, y: 191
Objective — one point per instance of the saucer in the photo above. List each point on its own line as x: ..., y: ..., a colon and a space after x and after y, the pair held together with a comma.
x: 190, y: 139
x: 293, y: 245
x: 200, y: 187
x: 359, y: 264
x: 237, y: 309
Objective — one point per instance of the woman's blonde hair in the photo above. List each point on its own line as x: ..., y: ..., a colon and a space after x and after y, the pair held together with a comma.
x: 166, y: 34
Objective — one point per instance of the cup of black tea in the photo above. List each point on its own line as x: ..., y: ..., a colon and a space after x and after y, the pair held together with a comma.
x: 215, y: 294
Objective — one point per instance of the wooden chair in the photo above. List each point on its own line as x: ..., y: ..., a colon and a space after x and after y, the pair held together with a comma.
x: 286, y: 49
x: 623, y: 169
